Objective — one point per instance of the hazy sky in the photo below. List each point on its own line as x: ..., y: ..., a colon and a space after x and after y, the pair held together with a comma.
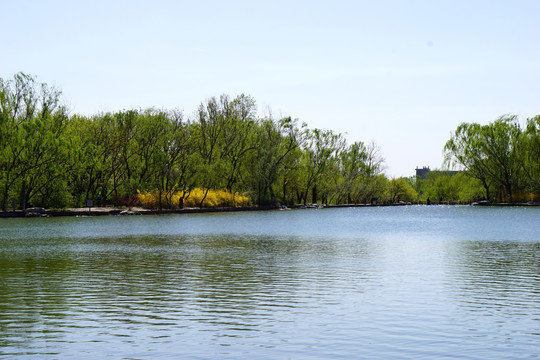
x: 401, y: 73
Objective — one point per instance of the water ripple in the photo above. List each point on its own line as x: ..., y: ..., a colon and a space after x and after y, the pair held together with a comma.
x: 356, y: 294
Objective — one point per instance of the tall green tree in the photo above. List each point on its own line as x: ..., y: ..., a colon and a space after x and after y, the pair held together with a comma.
x: 32, y: 122
x: 320, y: 151
x: 172, y: 158
x: 530, y: 151
x: 353, y: 166
x: 501, y: 146
x: 17, y: 105
x: 45, y: 155
x: 210, y: 125
x: 238, y: 139
x: 465, y: 149
x: 88, y: 158
x: 371, y: 185
x: 489, y: 153
x: 274, y: 156
x: 402, y: 189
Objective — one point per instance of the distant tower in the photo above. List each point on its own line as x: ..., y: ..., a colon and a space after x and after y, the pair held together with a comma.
x: 422, y: 172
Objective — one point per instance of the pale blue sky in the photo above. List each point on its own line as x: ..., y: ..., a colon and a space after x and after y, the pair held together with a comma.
x: 401, y: 73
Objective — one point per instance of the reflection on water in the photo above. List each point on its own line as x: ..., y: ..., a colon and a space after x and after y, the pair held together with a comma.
x: 221, y: 288
x: 504, y: 268
x: 499, y: 283
x: 170, y: 287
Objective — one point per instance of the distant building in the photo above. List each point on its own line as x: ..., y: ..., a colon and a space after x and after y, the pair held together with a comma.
x: 424, y: 171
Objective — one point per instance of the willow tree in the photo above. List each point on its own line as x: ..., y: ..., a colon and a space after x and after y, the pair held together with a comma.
x: 32, y: 122
x: 46, y: 152
x: 489, y: 153
x: 502, y: 139
x: 319, y: 155
x: 402, y: 189
x: 238, y: 139
x: 209, y: 126
x: 464, y: 149
x: 93, y: 159
x: 17, y: 105
x: 530, y: 150
x: 174, y: 151
x: 275, y: 155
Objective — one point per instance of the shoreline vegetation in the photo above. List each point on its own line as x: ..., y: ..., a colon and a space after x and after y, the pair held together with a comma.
x: 225, y: 155
x: 116, y: 211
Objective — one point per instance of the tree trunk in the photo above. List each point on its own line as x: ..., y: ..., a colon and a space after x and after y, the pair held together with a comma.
x: 204, y: 198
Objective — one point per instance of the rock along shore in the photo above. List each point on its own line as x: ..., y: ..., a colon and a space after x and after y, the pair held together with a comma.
x: 111, y: 211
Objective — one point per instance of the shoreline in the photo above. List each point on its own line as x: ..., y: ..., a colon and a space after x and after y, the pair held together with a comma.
x: 114, y: 211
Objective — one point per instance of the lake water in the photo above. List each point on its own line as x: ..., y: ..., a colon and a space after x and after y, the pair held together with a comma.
x: 387, y: 282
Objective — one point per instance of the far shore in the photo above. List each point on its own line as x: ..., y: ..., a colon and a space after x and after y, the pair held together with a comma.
x: 120, y: 211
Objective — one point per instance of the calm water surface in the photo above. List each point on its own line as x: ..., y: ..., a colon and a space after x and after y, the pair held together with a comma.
x: 398, y: 282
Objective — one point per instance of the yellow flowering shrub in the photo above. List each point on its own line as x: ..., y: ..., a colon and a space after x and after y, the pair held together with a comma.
x: 148, y: 200
x: 214, y: 198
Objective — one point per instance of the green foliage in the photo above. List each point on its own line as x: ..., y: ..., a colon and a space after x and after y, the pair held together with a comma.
x: 446, y: 187
x: 530, y: 150
x: 402, y: 189
x: 33, y: 145
x: 360, y: 168
x: 319, y: 163
x: 501, y: 155
x: 49, y: 158
x: 274, y: 165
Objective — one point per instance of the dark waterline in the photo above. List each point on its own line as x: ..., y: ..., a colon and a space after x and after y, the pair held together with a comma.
x: 407, y: 282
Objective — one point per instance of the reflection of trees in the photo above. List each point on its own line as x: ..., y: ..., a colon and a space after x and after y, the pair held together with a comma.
x: 494, y: 286
x: 146, y: 280
x: 226, y: 283
x: 237, y: 276
x: 243, y: 279
x: 32, y: 295
x: 498, y: 274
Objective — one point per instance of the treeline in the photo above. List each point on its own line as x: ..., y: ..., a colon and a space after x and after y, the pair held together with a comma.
x: 447, y: 187
x: 503, y: 156
x: 51, y: 158
x: 499, y: 162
